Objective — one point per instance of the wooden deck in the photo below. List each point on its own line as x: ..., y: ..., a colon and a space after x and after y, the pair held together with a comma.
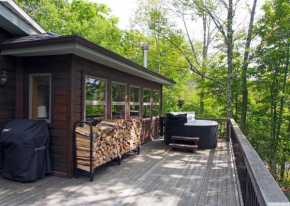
x: 157, y: 176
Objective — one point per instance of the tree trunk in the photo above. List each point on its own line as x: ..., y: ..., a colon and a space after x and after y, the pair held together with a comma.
x: 282, y: 103
x: 204, y: 59
x: 230, y: 59
x: 273, y: 141
x: 244, y: 69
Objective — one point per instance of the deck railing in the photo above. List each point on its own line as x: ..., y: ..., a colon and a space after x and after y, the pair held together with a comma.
x: 256, y: 185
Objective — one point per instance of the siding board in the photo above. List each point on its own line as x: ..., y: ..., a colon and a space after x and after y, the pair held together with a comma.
x: 59, y: 166
x: 58, y: 158
x: 61, y: 92
x: 60, y: 99
x: 58, y: 133
x: 57, y: 66
x: 58, y: 141
x: 58, y: 149
x: 7, y: 93
x: 61, y: 108
x: 60, y: 124
x: 60, y: 116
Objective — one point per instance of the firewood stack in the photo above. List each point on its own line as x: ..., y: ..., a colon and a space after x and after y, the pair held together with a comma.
x: 111, y: 139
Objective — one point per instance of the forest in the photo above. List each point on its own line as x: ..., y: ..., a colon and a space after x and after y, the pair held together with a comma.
x: 234, y: 65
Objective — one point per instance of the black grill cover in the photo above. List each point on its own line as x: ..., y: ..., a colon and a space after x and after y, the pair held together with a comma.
x: 25, y: 145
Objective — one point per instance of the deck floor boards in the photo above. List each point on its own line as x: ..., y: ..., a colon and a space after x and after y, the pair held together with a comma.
x: 158, y: 176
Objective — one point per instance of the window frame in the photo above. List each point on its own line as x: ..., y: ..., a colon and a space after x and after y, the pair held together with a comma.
x: 135, y: 103
x: 31, y: 93
x: 95, y: 102
x: 156, y: 103
x: 115, y: 103
x: 147, y: 103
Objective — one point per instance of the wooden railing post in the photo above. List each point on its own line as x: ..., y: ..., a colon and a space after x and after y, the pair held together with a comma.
x: 228, y: 131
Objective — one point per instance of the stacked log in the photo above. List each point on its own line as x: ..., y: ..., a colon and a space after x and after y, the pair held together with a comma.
x: 111, y: 139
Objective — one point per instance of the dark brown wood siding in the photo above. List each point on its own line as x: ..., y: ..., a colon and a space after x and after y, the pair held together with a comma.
x: 67, y: 99
x: 7, y: 92
x: 59, y: 68
x: 84, y: 67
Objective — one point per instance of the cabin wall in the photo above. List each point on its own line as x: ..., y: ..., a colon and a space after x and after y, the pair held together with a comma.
x: 59, y: 68
x: 67, y: 100
x: 83, y: 67
x: 7, y: 92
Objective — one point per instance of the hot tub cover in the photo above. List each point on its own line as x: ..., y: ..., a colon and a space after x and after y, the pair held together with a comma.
x: 25, y: 145
x: 178, y: 125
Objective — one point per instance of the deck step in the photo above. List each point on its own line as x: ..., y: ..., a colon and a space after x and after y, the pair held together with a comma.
x: 191, y: 139
x: 183, y: 146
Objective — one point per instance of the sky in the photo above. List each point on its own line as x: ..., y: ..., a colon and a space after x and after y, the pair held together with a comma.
x: 123, y: 9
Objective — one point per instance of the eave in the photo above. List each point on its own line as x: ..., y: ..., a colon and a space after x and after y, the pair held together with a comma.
x: 14, y: 20
x: 82, y: 48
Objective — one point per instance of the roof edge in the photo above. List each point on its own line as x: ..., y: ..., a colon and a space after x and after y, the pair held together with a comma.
x: 15, y: 8
x: 86, y: 43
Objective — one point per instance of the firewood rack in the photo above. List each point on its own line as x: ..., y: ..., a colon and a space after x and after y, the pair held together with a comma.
x: 76, y: 169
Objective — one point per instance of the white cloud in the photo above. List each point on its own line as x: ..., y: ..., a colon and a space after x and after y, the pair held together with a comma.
x: 123, y: 9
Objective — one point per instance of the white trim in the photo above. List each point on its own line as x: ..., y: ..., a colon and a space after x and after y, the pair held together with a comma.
x: 31, y: 91
x: 119, y: 103
x: 95, y: 102
x: 23, y: 15
x: 86, y: 53
x: 135, y: 86
x: 135, y: 103
x: 121, y: 83
x: 13, y: 24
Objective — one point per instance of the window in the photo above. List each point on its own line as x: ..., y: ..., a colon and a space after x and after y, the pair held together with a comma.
x: 40, y: 97
x: 146, y: 103
x: 155, y: 103
x: 134, y: 101
x: 95, y: 100
x: 118, y: 100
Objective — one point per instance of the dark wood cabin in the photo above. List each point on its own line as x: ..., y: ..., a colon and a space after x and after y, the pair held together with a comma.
x: 63, y: 79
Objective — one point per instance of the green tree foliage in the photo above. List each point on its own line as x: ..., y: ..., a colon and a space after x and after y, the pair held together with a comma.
x: 201, y: 72
x: 270, y: 89
x: 78, y: 17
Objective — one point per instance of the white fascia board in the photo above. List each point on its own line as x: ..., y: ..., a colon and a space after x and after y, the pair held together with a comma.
x: 21, y: 16
x: 15, y: 21
x: 95, y: 56
x: 15, y: 8
x: 41, y: 50
x: 86, y: 53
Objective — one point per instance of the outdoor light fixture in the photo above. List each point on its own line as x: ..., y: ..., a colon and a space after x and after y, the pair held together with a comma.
x: 3, y: 78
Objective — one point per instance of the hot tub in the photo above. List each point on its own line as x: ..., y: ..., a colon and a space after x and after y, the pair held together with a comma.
x: 206, y: 130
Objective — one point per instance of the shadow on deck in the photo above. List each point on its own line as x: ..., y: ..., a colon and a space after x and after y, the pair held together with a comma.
x: 157, y: 176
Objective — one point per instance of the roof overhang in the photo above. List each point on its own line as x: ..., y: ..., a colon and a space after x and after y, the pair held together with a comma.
x: 16, y: 21
x: 85, y: 49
